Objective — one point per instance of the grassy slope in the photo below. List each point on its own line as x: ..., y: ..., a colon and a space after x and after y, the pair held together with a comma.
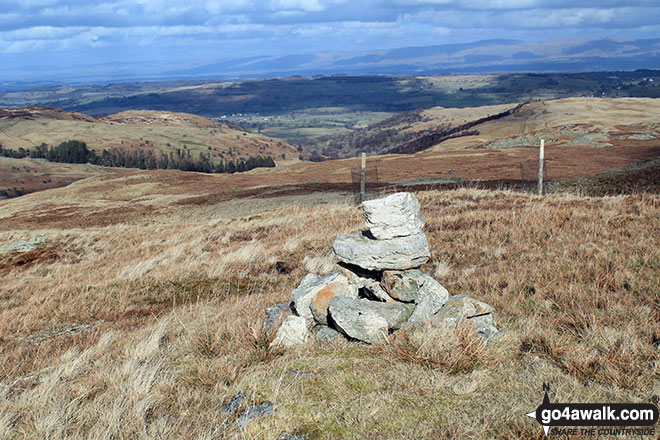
x: 611, y: 127
x: 159, y: 131
x: 143, y: 319
x: 22, y: 176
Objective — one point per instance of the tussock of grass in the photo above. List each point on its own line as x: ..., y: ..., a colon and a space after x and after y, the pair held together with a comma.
x: 146, y: 329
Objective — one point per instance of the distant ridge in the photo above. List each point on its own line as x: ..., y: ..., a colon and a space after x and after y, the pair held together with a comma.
x: 486, y: 56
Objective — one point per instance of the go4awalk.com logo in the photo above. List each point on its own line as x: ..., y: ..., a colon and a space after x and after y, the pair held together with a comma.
x: 596, y: 419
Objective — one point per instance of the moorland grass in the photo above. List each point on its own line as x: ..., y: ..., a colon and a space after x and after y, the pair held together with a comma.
x: 174, y: 303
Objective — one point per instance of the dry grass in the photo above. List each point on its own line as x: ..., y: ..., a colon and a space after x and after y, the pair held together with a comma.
x: 145, y: 328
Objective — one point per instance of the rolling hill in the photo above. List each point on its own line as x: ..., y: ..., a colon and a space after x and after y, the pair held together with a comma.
x: 597, y: 122
x: 157, y: 130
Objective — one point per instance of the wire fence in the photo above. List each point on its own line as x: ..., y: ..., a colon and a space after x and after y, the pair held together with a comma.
x: 526, y: 180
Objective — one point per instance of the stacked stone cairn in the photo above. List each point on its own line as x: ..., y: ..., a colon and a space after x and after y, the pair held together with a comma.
x: 377, y: 287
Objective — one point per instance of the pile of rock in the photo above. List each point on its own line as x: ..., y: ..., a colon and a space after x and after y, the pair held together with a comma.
x: 377, y: 287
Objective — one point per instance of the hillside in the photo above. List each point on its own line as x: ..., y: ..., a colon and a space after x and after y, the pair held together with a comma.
x: 140, y: 315
x: 24, y: 176
x: 598, y: 122
x: 139, y: 129
x: 583, y: 137
x: 375, y: 93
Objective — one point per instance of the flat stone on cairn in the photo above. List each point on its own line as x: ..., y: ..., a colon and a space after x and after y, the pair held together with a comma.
x: 397, y: 215
x: 378, y: 287
x: 394, y: 253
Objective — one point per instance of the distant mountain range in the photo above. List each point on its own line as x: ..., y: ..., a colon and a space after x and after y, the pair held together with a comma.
x: 488, y: 56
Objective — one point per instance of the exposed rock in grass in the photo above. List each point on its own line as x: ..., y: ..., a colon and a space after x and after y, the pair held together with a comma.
x: 275, y: 315
x: 255, y: 412
x: 236, y: 402
x: 24, y: 245
x: 293, y: 331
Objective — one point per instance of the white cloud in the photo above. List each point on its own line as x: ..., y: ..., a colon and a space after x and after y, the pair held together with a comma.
x: 250, y: 27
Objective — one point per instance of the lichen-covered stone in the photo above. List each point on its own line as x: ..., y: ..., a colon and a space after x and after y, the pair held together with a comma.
x: 319, y: 290
x: 326, y: 334
x: 402, y: 285
x: 462, y: 309
x: 395, y: 313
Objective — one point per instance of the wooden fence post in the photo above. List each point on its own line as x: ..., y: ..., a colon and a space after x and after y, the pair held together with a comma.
x: 363, y: 178
x: 541, y: 152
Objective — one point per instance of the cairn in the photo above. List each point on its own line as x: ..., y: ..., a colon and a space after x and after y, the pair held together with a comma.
x: 377, y: 287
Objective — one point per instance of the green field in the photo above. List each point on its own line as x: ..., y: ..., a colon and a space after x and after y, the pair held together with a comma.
x: 303, y: 125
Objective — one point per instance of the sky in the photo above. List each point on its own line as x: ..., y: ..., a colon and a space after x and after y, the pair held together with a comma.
x: 47, y: 34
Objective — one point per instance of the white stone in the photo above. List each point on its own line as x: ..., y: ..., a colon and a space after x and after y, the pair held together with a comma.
x: 397, y: 215
x: 293, y: 331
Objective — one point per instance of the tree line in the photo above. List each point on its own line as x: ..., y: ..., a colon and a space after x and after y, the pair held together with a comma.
x: 75, y: 151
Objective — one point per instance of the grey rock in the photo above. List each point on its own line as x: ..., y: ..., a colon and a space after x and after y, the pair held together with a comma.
x: 24, y: 245
x: 303, y: 294
x: 290, y: 437
x: 464, y: 309
x: 274, y: 316
x: 396, y: 314
x: 366, y: 281
x: 465, y: 306
x: 374, y: 291
x: 488, y: 331
x: 482, y: 320
x: 319, y: 289
x: 430, y: 299
x: 397, y: 215
x: 402, y: 285
x: 235, y: 402
x: 400, y: 253
x: 357, y: 320
x: 293, y: 331
x: 326, y: 334
x: 255, y: 412
x: 334, y: 284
